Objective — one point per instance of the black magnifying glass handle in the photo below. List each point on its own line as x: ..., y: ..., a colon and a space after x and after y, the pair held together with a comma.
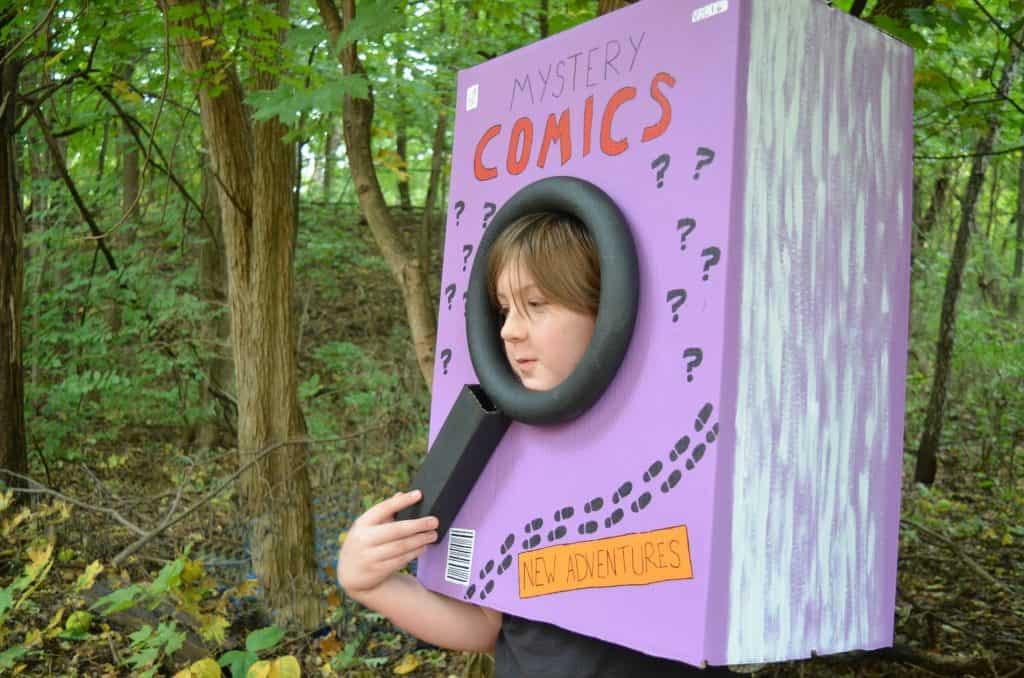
x: 464, y: 445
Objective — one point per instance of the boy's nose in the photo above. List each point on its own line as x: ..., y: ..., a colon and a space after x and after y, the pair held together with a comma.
x: 513, y: 329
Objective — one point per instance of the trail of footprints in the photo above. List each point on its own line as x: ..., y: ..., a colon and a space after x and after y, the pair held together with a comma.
x: 590, y: 521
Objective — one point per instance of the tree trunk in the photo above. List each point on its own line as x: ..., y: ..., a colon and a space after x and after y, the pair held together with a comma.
x: 401, y: 141
x: 218, y: 393
x: 330, y: 147
x: 437, y: 153
x: 927, y: 451
x: 1018, y: 257
x: 13, y: 455
x: 254, y: 170
x: 129, y: 162
x: 939, y: 194
x: 357, y: 116
x: 401, y: 133
x: 606, y: 6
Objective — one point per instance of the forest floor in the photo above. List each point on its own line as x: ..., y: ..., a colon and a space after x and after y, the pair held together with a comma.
x: 959, y: 597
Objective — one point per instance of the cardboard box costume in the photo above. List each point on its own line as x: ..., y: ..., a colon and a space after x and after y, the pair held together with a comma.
x: 734, y: 495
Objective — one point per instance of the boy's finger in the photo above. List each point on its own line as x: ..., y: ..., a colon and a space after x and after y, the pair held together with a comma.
x: 387, y: 509
x: 400, y: 529
x: 398, y: 562
x: 395, y: 548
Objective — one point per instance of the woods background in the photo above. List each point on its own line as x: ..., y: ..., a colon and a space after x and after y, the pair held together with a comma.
x: 220, y: 226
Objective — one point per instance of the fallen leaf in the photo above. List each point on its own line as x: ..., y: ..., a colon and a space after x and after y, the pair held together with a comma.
x: 282, y: 667
x: 88, y: 578
x: 409, y: 663
x: 330, y: 645
x: 204, y: 668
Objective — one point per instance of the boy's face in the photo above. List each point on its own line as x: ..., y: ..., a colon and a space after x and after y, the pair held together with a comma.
x: 544, y: 341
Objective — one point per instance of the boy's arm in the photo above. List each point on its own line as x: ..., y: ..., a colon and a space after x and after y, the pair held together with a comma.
x: 376, y: 548
x: 432, y: 617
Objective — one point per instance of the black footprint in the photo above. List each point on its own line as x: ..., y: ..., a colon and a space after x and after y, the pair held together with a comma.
x: 505, y: 564
x: 531, y: 542
x: 698, y: 454
x: 652, y: 472
x: 641, y: 503
x: 680, y: 447
x: 594, y: 504
x: 673, y: 478
x: 487, y: 568
x: 557, y: 533
x: 702, y: 416
x: 588, y: 527
x: 622, y: 492
x: 509, y: 540
x: 616, y: 517
x: 533, y: 525
x: 487, y: 589
x: 564, y: 513
x: 470, y: 591
x: 713, y: 433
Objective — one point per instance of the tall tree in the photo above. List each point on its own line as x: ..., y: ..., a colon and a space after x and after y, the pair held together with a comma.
x: 1018, y: 253
x: 254, y: 170
x: 927, y: 450
x: 357, y: 116
x: 12, y: 266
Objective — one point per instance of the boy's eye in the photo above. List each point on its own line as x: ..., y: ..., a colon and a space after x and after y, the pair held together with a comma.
x: 535, y: 303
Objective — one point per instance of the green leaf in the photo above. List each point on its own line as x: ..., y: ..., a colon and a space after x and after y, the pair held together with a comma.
x: 373, y: 22
x: 238, y: 662
x: 6, y: 600
x: 119, y: 600
x: 11, y: 655
x: 263, y: 639
x: 169, y: 577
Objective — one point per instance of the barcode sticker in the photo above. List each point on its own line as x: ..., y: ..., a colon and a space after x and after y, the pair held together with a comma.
x: 459, y: 564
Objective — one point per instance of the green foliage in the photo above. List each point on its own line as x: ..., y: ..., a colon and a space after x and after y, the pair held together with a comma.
x: 150, y: 646
x: 258, y: 641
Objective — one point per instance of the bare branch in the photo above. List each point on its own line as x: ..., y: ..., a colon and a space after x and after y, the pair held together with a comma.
x: 1002, y: 151
x: 971, y: 563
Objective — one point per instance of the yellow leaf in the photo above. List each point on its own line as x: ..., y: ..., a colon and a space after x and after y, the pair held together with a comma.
x: 214, y: 628
x: 204, y: 668
x: 1007, y: 539
x: 52, y: 60
x: 19, y: 517
x: 39, y: 558
x: 33, y: 638
x: 409, y: 663
x: 88, y: 578
x: 192, y: 571
x: 207, y: 42
x: 6, y: 499
x: 282, y: 667
x: 54, y: 621
x: 341, y: 537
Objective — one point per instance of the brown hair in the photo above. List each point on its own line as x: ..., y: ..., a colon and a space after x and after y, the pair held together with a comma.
x: 558, y: 252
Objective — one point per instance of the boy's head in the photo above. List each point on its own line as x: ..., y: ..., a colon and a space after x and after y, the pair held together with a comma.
x: 558, y: 253
x: 544, y: 277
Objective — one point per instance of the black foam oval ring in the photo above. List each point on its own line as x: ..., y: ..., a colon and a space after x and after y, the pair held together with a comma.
x: 616, y: 312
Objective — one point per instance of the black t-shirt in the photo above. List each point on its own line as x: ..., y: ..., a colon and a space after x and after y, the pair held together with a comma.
x: 533, y: 649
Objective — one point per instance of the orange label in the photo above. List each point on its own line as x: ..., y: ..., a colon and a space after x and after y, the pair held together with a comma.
x: 627, y: 560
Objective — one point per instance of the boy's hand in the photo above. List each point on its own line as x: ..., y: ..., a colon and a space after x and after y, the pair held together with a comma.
x: 377, y: 546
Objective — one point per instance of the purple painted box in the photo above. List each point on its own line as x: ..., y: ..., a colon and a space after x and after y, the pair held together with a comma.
x: 762, y: 154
